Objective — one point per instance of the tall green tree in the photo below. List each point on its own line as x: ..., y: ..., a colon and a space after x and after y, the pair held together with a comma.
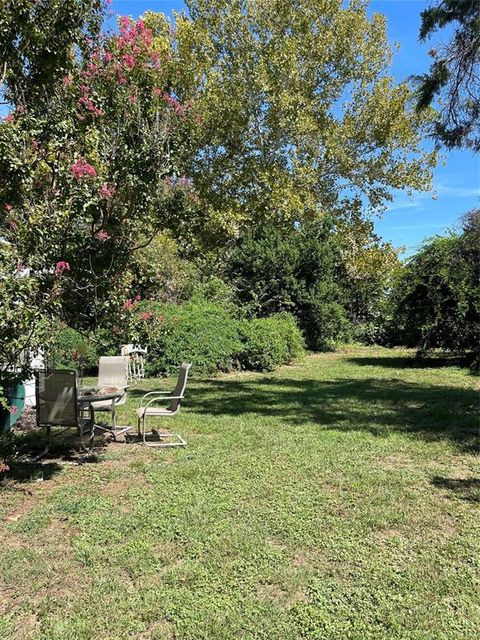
x: 296, y: 113
x: 436, y: 301
x: 454, y: 75
x: 367, y: 270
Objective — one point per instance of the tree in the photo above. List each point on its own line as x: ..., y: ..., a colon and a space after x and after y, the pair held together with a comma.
x: 38, y: 41
x: 274, y: 270
x: 454, y: 76
x: 436, y: 302
x: 26, y: 310
x: 31, y: 61
x: 296, y: 115
x: 367, y: 270
x: 88, y: 164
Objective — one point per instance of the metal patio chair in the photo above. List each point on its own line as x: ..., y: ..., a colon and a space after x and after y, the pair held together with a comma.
x: 112, y: 372
x: 149, y: 408
x: 56, y: 405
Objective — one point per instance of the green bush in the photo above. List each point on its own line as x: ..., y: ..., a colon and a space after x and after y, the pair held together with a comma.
x: 208, y: 335
x: 296, y: 271
x: 269, y: 342
x: 71, y: 350
x: 199, y: 332
x: 324, y: 322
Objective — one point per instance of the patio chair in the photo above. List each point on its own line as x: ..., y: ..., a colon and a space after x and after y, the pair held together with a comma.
x: 56, y: 405
x: 112, y: 372
x: 149, y: 408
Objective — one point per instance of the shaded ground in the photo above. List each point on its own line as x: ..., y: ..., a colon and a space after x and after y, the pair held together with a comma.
x: 337, y: 499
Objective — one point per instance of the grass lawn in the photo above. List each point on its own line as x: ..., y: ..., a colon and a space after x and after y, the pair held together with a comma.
x: 336, y: 499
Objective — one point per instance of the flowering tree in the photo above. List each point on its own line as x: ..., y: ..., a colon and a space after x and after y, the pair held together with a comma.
x: 88, y: 170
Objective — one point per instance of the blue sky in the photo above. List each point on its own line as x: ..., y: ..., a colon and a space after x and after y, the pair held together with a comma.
x: 456, y: 182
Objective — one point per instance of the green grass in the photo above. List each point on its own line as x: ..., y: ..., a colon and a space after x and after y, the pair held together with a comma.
x: 336, y: 500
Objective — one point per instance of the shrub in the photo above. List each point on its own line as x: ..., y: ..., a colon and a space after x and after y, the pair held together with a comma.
x: 269, y: 342
x: 325, y: 323
x: 293, y: 270
x: 71, y: 350
x: 199, y: 332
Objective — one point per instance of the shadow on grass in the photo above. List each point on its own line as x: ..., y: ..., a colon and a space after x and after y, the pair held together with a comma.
x: 377, y: 406
x: 412, y: 362
x: 466, y: 489
x: 21, y: 472
x: 64, y: 449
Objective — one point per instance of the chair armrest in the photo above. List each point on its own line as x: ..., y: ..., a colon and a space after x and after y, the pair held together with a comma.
x: 162, y: 398
x: 151, y: 393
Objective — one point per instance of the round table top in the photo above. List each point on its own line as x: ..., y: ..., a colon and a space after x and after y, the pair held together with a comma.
x: 92, y: 394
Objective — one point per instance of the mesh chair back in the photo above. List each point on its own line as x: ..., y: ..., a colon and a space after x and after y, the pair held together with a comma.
x: 56, y: 395
x: 180, y: 386
x: 112, y: 371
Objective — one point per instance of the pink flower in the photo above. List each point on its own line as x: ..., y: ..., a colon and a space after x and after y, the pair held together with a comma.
x: 107, y: 190
x: 67, y: 81
x: 8, y: 207
x: 9, y: 118
x: 81, y: 169
x: 102, y: 235
x: 61, y: 266
x: 146, y: 316
x: 108, y: 57
x: 13, y: 410
x: 128, y: 60
x: 128, y: 304
x: 123, y: 22
x: 138, y: 297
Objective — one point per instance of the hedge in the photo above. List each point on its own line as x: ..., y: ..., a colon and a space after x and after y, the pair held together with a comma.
x: 209, y: 336
x: 269, y: 342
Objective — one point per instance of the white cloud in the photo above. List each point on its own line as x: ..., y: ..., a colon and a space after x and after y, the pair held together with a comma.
x: 458, y: 192
x: 413, y: 227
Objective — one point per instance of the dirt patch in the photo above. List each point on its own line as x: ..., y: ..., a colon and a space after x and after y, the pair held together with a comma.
x: 397, y: 461
x: 161, y: 630
x: 276, y: 545
x: 27, y: 627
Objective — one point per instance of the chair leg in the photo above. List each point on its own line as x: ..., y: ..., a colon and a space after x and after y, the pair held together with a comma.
x: 180, y: 441
x: 47, y: 444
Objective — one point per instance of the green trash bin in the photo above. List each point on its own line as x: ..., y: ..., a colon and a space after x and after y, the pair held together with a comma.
x: 15, y: 395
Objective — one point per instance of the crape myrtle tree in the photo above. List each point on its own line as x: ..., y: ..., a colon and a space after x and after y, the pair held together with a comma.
x: 296, y: 114
x: 37, y: 42
x: 88, y: 159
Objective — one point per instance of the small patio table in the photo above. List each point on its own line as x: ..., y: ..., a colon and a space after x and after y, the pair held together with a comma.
x: 88, y: 395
